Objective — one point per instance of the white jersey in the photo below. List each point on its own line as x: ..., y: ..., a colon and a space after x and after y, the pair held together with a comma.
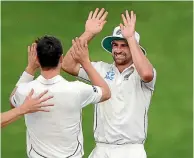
x: 58, y: 133
x: 123, y: 118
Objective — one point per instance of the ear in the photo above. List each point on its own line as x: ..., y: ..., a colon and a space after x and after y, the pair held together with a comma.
x: 61, y: 59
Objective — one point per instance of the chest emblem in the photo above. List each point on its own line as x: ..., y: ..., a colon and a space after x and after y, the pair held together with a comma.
x: 110, y: 75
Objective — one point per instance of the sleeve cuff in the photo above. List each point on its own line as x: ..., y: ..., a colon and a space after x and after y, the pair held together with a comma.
x: 98, y: 92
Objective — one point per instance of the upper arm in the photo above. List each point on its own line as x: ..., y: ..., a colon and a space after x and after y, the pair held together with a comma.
x: 151, y: 84
x: 89, y: 94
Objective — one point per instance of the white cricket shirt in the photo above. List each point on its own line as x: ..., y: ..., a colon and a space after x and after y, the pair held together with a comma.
x: 58, y: 133
x: 123, y: 118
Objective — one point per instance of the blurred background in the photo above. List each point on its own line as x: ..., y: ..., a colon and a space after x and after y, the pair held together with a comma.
x: 166, y: 30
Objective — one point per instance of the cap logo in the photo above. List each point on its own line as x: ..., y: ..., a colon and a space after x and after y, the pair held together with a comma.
x: 118, y: 32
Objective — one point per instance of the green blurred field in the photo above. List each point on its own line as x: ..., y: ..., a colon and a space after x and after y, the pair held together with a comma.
x: 166, y: 33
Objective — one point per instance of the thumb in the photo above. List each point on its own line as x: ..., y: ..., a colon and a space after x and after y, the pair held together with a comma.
x: 121, y: 26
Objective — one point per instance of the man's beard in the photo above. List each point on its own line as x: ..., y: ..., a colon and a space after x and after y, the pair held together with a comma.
x: 120, y: 59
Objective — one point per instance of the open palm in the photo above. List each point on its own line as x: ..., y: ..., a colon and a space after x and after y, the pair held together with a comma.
x: 96, y: 21
x: 128, y: 29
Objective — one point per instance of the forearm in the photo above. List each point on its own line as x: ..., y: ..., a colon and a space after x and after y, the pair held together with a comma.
x: 27, y: 76
x: 30, y: 70
x: 86, y: 36
x: 10, y: 116
x: 69, y: 64
x: 142, y: 64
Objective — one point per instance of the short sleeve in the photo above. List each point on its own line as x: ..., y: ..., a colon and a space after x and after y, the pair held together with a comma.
x: 151, y: 84
x: 89, y: 94
x: 19, y: 96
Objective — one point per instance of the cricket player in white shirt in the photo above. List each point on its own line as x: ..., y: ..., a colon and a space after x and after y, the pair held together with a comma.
x: 30, y: 105
x: 120, y: 124
x: 57, y: 134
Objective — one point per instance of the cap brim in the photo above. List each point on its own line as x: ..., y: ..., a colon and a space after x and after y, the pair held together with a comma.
x: 107, y: 43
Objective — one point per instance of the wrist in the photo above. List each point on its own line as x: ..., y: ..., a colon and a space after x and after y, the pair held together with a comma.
x: 30, y: 70
x: 19, y: 111
x: 131, y: 38
x: 86, y: 64
x: 89, y: 34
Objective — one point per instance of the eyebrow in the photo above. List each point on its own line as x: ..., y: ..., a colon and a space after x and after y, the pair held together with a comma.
x: 126, y: 44
x: 123, y: 44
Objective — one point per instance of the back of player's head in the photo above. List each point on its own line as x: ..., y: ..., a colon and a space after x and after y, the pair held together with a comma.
x: 49, y: 51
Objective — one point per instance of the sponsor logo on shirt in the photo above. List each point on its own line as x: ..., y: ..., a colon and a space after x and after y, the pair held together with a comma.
x: 110, y: 75
x: 126, y: 77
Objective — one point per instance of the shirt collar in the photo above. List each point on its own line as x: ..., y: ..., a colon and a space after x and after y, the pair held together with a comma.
x: 51, y: 81
x: 128, y: 69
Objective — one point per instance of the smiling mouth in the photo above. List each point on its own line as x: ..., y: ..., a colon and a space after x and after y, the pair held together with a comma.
x: 119, y: 56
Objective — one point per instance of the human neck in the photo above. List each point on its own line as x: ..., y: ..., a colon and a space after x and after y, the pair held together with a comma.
x: 48, y: 74
x: 121, y: 68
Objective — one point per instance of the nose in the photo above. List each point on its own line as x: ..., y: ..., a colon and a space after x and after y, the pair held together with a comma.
x: 117, y: 50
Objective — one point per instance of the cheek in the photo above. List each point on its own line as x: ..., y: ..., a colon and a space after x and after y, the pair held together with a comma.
x: 113, y: 49
x: 127, y: 52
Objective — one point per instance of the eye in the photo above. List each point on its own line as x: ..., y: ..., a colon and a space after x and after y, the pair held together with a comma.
x: 124, y: 45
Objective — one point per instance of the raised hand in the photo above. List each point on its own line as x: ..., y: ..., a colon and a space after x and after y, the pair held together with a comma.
x: 96, y: 21
x: 128, y: 29
x: 33, y: 63
x: 80, y: 51
x: 31, y: 105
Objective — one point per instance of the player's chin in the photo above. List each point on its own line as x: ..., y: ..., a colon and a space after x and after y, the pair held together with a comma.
x: 119, y: 62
